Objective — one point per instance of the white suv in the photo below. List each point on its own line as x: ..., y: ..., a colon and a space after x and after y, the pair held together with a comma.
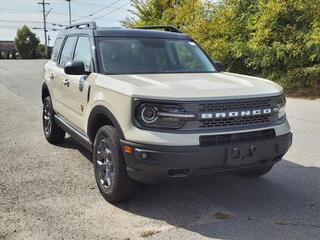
x: 152, y: 106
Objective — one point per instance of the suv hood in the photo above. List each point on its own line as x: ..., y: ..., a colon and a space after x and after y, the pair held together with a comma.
x: 193, y: 86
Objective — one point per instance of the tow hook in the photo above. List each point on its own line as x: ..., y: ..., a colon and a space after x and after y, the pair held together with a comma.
x: 236, y: 152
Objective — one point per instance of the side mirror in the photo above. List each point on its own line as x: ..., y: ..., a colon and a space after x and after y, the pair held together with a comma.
x: 219, y: 66
x: 74, y: 68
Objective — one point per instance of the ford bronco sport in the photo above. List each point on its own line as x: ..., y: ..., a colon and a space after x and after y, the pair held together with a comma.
x: 152, y: 106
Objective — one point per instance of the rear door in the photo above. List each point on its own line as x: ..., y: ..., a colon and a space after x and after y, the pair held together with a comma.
x: 75, y: 96
x: 51, y: 72
x: 61, y: 78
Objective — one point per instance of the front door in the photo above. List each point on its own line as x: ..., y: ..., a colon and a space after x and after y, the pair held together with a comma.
x: 76, y: 87
x: 60, y: 76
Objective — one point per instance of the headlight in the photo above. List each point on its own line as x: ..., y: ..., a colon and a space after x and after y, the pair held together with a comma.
x: 158, y: 115
x: 149, y: 114
x: 280, y: 106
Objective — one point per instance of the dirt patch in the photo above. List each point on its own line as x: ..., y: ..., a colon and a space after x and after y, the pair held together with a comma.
x: 222, y: 215
x: 148, y: 233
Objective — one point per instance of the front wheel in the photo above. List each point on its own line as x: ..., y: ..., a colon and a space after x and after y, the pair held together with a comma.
x: 256, y: 172
x: 109, y: 166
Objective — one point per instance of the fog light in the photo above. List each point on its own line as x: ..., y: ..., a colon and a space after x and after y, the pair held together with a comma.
x: 128, y: 149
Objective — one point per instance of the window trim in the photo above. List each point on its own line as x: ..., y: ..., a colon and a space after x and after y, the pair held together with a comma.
x: 92, y: 49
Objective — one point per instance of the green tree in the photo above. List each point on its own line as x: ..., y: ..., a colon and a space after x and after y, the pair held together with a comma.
x: 275, y: 39
x: 41, y: 51
x: 26, y: 43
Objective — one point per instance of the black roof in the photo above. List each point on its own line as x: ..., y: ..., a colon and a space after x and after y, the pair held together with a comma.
x: 126, y: 32
x: 147, y: 32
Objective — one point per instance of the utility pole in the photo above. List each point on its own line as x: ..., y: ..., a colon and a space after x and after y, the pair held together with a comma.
x: 69, y: 1
x: 49, y: 40
x: 43, y: 3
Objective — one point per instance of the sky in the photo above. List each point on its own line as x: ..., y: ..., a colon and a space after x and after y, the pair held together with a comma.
x: 16, y: 13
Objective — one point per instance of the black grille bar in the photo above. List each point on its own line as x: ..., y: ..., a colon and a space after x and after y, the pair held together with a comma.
x: 237, y: 137
x: 235, y: 105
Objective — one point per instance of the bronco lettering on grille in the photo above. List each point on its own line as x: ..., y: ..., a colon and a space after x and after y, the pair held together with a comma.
x: 244, y: 113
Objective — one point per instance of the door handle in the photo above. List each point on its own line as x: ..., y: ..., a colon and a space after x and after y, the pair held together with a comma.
x: 66, y: 82
x: 51, y: 76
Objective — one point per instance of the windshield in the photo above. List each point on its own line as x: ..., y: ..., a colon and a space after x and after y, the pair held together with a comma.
x: 151, y: 55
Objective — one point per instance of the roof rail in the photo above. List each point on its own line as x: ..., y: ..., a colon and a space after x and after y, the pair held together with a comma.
x: 90, y: 25
x: 167, y: 28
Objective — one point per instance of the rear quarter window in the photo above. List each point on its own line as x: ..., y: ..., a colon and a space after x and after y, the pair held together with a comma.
x: 56, y: 49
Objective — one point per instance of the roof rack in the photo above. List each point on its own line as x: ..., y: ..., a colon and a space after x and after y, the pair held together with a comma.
x: 91, y: 25
x: 167, y: 28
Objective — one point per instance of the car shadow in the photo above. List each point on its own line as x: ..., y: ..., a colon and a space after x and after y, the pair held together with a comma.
x: 70, y: 143
x: 283, y: 204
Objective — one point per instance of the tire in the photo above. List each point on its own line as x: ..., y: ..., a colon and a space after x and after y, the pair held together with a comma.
x: 53, y: 133
x: 256, y: 172
x: 109, y: 166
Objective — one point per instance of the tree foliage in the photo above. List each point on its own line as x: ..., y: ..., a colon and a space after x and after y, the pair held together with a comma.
x: 26, y: 43
x: 276, y: 39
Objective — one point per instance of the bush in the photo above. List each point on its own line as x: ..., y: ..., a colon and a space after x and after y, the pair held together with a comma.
x: 302, y: 79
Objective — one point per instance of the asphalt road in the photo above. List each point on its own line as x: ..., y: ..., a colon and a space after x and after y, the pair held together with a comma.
x: 49, y: 192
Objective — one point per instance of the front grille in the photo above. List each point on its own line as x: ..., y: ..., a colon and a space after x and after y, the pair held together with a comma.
x: 225, y: 106
x: 237, y: 137
x: 235, y: 105
x: 235, y: 121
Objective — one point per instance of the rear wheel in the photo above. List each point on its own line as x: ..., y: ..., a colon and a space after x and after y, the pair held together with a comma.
x: 256, y: 172
x: 53, y: 133
x: 109, y: 166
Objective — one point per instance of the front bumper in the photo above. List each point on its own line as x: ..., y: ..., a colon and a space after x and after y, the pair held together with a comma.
x: 154, y: 163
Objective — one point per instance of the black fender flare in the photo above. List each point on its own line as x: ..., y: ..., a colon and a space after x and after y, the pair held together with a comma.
x: 97, y: 110
x: 44, y: 88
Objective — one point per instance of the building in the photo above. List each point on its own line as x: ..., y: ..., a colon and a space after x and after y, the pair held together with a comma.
x: 8, y: 49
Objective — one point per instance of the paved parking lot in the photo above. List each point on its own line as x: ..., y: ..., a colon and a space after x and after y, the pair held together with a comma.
x: 49, y: 192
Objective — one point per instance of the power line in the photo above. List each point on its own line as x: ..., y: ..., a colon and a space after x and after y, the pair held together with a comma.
x: 100, y: 10
x: 28, y: 21
x: 110, y: 11
x: 19, y: 10
x: 52, y: 29
x: 34, y: 28
x: 91, y: 4
x: 57, y: 24
x: 34, y: 11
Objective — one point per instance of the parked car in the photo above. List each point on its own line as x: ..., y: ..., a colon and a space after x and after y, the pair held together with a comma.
x: 152, y: 106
